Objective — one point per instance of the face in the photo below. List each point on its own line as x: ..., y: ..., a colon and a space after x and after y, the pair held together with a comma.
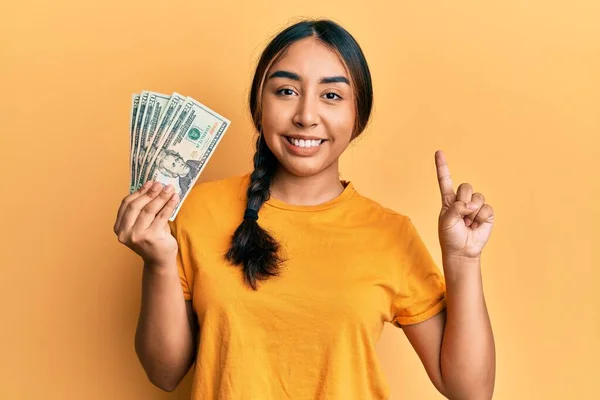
x: 175, y: 165
x: 308, y: 109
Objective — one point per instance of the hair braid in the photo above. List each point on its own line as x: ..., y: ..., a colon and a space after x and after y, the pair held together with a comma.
x: 253, y: 247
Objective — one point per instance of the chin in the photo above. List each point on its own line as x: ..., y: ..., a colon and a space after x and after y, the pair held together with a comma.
x: 306, y: 167
x: 303, y: 168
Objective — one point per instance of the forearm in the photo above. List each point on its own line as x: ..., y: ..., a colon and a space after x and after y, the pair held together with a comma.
x: 468, y: 350
x: 163, y: 341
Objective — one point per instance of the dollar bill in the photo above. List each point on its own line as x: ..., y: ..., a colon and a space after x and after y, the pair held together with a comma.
x: 171, y: 110
x: 135, y: 101
x: 154, y: 107
x: 136, y: 138
x: 188, y: 144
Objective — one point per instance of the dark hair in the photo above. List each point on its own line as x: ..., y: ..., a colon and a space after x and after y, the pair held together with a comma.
x: 252, y: 247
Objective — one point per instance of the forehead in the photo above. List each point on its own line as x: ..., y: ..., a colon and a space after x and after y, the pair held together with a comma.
x: 310, y: 58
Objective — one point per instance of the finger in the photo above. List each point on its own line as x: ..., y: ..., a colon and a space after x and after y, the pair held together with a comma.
x: 461, y: 208
x: 126, y: 201
x: 485, y: 215
x: 135, y: 207
x: 478, y: 199
x: 148, y: 213
x: 464, y: 192
x: 444, y: 179
x: 163, y: 216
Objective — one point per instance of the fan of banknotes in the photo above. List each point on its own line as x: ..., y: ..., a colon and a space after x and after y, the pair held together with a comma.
x: 171, y: 140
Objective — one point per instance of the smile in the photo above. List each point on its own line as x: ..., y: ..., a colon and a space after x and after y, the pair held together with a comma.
x: 304, y: 143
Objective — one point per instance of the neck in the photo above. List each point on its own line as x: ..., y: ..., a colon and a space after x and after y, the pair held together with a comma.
x: 306, y: 190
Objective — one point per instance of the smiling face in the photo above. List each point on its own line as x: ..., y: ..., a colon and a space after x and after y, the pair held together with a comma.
x: 308, y: 108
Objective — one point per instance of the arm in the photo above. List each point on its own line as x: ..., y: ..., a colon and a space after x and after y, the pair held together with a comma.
x: 457, y: 345
x: 165, y: 340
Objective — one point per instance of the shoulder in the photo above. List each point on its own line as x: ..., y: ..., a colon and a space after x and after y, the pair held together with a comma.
x: 220, y: 196
x: 389, y: 221
x: 376, y: 212
x: 235, y: 185
x: 388, y: 229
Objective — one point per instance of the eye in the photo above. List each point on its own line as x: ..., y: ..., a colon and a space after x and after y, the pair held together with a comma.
x: 285, y: 92
x: 332, y: 96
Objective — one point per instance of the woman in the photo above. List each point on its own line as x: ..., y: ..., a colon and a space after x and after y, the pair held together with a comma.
x: 277, y: 283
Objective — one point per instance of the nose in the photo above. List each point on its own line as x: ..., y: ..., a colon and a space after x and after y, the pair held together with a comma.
x: 307, y: 113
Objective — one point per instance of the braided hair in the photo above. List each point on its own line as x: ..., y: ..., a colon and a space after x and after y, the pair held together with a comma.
x: 252, y: 246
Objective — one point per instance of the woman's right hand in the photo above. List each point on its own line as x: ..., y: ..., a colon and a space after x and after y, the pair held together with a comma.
x: 142, y: 223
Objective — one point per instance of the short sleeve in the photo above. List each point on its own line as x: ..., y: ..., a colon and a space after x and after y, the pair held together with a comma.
x: 422, y: 288
x: 186, y: 274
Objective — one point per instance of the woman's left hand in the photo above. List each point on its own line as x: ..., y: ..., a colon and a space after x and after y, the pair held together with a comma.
x: 463, y: 231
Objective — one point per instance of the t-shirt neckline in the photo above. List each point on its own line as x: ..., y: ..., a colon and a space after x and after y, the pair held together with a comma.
x: 346, y: 194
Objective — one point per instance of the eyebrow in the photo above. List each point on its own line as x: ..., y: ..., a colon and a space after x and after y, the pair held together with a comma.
x: 295, y: 77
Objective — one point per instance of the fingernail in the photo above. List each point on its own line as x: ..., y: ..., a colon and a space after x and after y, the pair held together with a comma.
x: 472, y: 206
x: 168, y: 188
x: 475, y: 225
x: 468, y: 221
x: 147, y: 184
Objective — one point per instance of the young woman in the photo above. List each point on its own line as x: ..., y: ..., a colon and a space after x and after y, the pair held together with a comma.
x: 278, y: 283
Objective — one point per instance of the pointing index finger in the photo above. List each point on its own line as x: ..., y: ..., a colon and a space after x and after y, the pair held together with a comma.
x: 443, y: 175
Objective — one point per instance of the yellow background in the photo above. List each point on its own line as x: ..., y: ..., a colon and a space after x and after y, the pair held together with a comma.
x: 510, y: 90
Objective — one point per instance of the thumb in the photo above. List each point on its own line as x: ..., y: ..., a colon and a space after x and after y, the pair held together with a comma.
x: 463, y: 208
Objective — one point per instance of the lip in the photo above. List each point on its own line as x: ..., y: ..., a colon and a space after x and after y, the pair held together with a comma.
x: 303, y: 137
x: 302, y: 151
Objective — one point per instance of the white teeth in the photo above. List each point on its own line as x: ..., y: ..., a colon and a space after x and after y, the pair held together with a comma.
x: 305, y: 143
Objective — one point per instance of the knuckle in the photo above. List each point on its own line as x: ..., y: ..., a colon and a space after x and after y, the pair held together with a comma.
x: 122, y: 238
x: 149, y: 210
x: 132, y: 207
x: 129, y: 199
x: 136, y: 238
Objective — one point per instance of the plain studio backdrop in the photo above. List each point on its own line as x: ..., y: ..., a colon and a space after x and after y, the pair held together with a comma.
x: 510, y: 90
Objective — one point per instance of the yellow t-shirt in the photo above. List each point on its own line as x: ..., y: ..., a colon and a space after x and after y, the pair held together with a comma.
x: 311, y: 332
